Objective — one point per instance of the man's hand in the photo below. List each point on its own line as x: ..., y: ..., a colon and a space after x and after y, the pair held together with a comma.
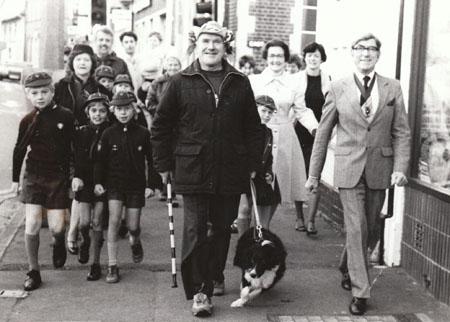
x: 77, y: 184
x: 312, y: 184
x: 15, y: 188
x: 253, y: 174
x: 149, y: 193
x: 165, y: 175
x: 268, y: 178
x: 99, y: 190
x: 399, y: 179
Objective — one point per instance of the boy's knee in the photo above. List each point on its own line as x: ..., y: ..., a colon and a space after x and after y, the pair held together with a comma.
x: 32, y: 228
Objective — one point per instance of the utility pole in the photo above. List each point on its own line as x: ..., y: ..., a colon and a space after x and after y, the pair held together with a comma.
x: 52, y: 35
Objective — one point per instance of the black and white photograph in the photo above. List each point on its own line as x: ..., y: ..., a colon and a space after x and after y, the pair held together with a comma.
x: 225, y: 160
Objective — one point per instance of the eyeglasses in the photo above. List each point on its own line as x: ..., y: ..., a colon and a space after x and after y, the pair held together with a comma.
x: 361, y: 49
x: 275, y: 56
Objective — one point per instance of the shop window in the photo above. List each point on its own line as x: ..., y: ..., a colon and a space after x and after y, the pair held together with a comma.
x: 309, y: 19
x: 434, y: 155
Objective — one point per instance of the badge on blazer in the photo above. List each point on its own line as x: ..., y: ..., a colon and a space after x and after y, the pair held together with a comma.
x: 99, y: 147
x: 140, y: 148
x: 60, y: 126
x: 114, y: 147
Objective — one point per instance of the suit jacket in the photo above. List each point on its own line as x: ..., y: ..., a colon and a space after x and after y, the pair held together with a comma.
x: 375, y: 149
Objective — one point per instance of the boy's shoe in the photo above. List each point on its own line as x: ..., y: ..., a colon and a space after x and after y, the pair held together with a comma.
x: 123, y: 230
x: 138, y: 252
x: 83, y: 256
x: 201, y: 305
x: 219, y: 288
x: 113, y: 274
x: 95, y: 273
x: 59, y: 254
x: 33, y: 280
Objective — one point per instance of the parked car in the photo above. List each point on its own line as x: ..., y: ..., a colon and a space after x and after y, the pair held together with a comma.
x: 14, y: 70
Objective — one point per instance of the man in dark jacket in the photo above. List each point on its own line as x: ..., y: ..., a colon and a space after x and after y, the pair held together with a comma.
x: 104, y: 38
x: 209, y: 114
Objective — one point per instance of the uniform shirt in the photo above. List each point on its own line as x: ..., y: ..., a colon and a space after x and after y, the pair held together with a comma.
x: 49, y: 134
x: 85, y: 146
x: 120, y: 159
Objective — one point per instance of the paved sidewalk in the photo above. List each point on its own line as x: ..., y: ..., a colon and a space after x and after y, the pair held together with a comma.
x: 309, y: 291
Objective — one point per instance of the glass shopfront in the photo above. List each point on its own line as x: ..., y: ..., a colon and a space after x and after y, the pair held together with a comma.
x: 433, y: 164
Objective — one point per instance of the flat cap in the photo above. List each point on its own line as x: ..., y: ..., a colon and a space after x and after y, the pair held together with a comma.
x: 123, y: 78
x: 104, y: 71
x: 38, y: 79
x: 213, y: 28
x: 123, y: 98
x: 266, y: 101
x: 96, y: 97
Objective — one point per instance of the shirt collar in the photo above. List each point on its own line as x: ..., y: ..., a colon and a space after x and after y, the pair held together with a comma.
x: 268, y: 77
x: 361, y: 76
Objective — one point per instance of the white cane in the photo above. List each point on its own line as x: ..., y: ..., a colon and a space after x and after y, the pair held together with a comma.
x: 255, y: 210
x: 172, y: 231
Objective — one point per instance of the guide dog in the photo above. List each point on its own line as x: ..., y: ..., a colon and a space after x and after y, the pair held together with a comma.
x: 263, y: 263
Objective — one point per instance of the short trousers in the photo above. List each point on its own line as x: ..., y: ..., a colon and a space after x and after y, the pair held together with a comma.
x: 48, y: 189
x: 130, y: 199
x: 87, y: 195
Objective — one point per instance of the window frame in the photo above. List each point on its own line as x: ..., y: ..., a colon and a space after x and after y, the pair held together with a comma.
x: 416, y: 94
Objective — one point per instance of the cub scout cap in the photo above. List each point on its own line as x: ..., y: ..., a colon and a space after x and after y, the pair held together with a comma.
x: 38, y: 79
x: 104, y: 71
x: 123, y: 78
x: 266, y: 101
x: 96, y: 97
x: 213, y: 28
x: 123, y: 98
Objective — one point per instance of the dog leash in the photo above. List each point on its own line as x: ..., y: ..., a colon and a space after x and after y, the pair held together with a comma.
x: 255, y: 211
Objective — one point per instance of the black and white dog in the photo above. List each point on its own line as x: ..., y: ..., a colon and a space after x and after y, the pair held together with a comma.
x: 263, y: 263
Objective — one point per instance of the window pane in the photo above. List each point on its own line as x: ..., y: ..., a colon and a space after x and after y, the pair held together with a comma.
x: 307, y: 39
x: 310, y: 3
x: 309, y: 19
x: 434, y: 160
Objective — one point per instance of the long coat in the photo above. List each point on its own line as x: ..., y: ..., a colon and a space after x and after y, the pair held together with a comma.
x: 288, y: 162
x: 72, y: 94
x: 217, y: 140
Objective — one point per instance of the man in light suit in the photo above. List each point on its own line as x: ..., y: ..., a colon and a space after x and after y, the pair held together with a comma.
x: 372, y: 153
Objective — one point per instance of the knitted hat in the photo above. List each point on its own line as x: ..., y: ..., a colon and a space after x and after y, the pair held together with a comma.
x: 79, y: 49
x: 95, y: 97
x: 123, y: 78
x: 104, y: 71
x: 123, y: 98
x: 266, y: 101
x: 38, y: 79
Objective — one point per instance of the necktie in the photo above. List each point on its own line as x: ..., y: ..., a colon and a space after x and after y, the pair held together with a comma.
x: 363, y: 99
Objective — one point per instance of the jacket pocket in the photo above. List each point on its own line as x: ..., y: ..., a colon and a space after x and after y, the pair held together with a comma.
x: 342, y: 150
x: 188, y: 164
x: 387, y: 151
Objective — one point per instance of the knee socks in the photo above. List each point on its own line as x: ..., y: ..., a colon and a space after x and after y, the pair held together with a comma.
x: 32, y: 248
x: 85, y: 234
x: 98, y: 243
x: 112, y: 252
x: 134, y: 235
x: 59, y: 237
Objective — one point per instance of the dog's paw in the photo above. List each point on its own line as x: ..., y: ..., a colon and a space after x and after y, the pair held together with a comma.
x: 238, y: 303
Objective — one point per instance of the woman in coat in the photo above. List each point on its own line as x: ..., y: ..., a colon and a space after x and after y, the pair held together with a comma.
x: 314, y: 83
x: 73, y: 90
x: 288, y: 162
